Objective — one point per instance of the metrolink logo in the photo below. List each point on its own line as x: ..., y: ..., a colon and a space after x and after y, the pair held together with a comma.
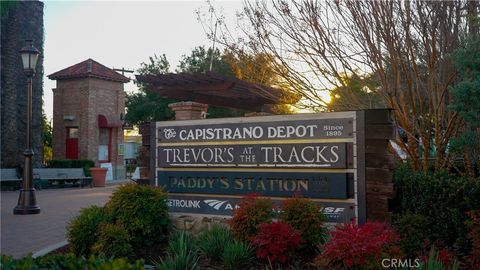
x: 183, y: 203
x: 217, y: 205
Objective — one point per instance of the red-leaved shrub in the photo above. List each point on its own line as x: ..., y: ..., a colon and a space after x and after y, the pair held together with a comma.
x: 252, y: 212
x: 355, y: 246
x: 446, y: 257
x: 276, y: 241
x: 304, y: 216
x: 473, y: 260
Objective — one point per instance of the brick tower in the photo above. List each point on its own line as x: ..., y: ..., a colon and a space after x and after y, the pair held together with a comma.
x: 88, y: 105
x: 20, y: 20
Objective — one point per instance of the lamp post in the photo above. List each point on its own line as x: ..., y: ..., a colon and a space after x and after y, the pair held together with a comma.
x: 27, y: 202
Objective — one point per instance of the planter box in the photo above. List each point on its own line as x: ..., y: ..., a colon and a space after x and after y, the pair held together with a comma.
x: 98, y: 176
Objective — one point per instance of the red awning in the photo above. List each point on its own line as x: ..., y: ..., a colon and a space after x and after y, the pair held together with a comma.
x: 109, y: 121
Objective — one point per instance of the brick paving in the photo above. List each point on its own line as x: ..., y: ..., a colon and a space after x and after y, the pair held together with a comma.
x: 22, y: 234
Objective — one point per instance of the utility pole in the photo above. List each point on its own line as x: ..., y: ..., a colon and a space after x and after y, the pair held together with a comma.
x: 123, y: 70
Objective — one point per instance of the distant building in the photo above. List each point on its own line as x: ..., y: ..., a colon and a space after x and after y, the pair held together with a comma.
x: 88, y: 105
x: 20, y: 20
x: 132, y: 144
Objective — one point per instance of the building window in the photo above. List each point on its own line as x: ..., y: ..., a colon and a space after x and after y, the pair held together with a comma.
x: 72, y: 132
x: 104, y: 144
x: 121, y: 149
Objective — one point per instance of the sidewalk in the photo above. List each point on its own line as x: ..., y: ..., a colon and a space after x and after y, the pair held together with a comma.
x: 22, y: 234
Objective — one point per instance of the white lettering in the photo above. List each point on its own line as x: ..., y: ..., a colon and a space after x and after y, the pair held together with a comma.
x: 230, y: 158
x: 267, y: 160
x: 210, y: 151
x: 253, y: 132
x: 311, y: 130
x: 190, y: 135
x: 290, y: 131
x: 257, y: 132
x: 303, y: 154
x: 168, y: 150
x: 182, y: 134
x: 186, y: 155
x: 281, y: 132
x: 334, y: 153
x: 320, y: 157
x: 183, y: 203
x: 277, y: 153
x: 272, y: 132
x: 210, y: 134
x: 293, y: 154
x: 301, y: 131
x: 237, y: 134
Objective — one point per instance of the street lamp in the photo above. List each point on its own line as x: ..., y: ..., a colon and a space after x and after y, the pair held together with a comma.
x: 27, y: 202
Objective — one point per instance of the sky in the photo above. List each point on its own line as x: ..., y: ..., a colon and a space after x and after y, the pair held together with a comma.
x: 122, y: 34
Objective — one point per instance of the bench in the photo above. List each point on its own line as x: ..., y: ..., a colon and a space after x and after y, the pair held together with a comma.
x: 9, y: 177
x: 61, y: 176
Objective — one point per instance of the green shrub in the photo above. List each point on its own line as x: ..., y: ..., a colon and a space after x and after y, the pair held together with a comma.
x: 304, y: 216
x: 143, y: 212
x: 252, y: 212
x: 113, y: 241
x: 181, y: 253
x: 439, y: 260
x: 60, y: 163
x: 413, y: 230
x: 182, y: 261
x: 443, y: 199
x: 85, y: 164
x: 82, y: 232
x: 212, y: 242
x: 130, y: 168
x: 473, y: 259
x: 181, y: 242
x: 68, y: 261
x: 236, y: 255
x: 72, y: 163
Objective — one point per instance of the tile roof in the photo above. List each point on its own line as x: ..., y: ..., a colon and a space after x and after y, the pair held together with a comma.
x: 88, y: 68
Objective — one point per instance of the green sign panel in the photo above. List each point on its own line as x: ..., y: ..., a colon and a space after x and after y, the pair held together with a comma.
x: 278, y: 184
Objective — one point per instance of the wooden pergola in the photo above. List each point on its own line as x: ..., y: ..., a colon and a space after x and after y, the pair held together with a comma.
x: 215, y: 89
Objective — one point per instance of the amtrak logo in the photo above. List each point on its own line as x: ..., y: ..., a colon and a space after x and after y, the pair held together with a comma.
x: 217, y: 205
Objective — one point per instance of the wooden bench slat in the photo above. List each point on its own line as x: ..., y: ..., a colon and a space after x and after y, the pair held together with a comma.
x: 45, y: 176
x: 63, y: 175
x: 9, y: 175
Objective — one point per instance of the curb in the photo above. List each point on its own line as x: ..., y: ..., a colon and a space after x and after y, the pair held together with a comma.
x: 117, y: 182
x: 46, y: 250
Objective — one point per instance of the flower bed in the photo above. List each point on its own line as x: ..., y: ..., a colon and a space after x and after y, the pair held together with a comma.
x: 134, y: 225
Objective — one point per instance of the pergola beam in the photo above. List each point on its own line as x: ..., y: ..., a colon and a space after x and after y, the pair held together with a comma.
x: 213, y: 89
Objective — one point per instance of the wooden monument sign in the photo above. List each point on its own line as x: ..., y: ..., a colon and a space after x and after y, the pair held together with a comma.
x: 208, y: 165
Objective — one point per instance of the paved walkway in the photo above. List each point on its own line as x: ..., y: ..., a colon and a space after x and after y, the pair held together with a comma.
x: 21, y: 234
